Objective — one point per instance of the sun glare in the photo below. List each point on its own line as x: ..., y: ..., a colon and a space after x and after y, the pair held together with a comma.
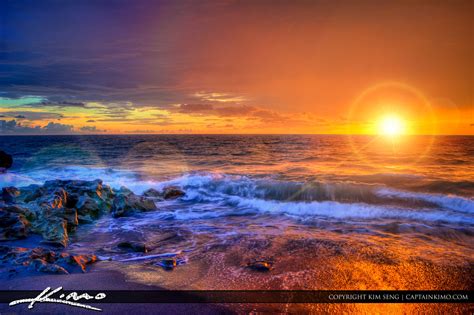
x: 391, y: 125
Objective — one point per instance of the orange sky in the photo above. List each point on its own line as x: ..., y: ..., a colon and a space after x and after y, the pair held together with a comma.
x: 238, y: 67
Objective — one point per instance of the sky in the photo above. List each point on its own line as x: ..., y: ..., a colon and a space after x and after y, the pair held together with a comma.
x: 220, y: 67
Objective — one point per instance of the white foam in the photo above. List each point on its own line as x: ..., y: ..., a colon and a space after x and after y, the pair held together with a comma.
x: 451, y: 202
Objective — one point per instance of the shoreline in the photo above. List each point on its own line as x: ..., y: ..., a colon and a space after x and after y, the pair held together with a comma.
x: 50, y: 235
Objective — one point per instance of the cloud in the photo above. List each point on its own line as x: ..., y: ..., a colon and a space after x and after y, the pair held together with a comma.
x: 32, y: 115
x: 60, y: 104
x: 195, y: 108
x: 12, y: 127
x: 92, y: 129
x: 58, y: 128
x: 90, y: 121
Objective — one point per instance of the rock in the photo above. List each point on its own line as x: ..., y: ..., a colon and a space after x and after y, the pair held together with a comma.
x: 42, y: 266
x: 58, y: 198
x: 79, y: 260
x: 6, y: 161
x: 152, y: 193
x: 53, y: 230
x: 44, y: 260
x: 172, y: 192
x: 134, y: 246
x: 9, y: 194
x: 30, y: 215
x: 87, y: 208
x: 260, y: 265
x: 13, y: 225
x: 31, y: 193
x: 168, y: 263
x: 43, y: 254
x: 126, y: 204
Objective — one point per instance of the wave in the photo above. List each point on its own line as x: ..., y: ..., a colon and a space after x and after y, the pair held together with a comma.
x: 243, y: 195
x: 456, y: 203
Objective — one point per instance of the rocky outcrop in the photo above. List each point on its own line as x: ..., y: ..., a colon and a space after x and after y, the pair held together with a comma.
x: 55, y: 210
x: 6, y: 161
x: 57, y: 207
x: 44, y: 260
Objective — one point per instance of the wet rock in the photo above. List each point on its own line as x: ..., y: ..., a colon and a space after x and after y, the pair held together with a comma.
x: 6, y: 161
x: 102, y: 194
x: 9, y: 194
x: 31, y: 193
x: 87, y: 208
x: 78, y: 260
x: 168, y: 263
x: 44, y: 260
x: 172, y: 192
x: 58, y: 198
x: 42, y: 266
x: 13, y: 225
x: 70, y: 215
x: 134, y: 246
x: 126, y: 204
x: 152, y: 193
x: 260, y: 265
x: 30, y: 215
x: 53, y: 230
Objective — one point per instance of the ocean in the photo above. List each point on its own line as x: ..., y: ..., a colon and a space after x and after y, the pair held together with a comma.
x: 376, y: 212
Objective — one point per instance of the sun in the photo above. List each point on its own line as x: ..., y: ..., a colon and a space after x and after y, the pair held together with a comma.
x: 391, y: 125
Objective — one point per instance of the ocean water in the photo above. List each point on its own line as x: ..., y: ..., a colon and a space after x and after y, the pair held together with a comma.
x: 375, y: 200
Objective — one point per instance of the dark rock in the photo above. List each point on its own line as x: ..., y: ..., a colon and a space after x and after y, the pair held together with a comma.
x: 134, y: 246
x: 13, y: 225
x: 152, y: 193
x: 58, y: 198
x: 43, y: 254
x: 126, y: 204
x: 260, y: 265
x: 31, y: 193
x: 172, y: 192
x: 6, y: 161
x: 30, y: 215
x: 42, y: 266
x: 87, y: 207
x: 44, y: 260
x: 9, y: 194
x: 53, y: 230
x: 168, y: 263
x: 80, y: 260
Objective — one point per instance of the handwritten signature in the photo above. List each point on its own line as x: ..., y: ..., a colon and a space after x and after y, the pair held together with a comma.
x: 71, y: 299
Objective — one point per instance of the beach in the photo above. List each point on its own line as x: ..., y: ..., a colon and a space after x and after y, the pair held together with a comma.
x: 239, y: 213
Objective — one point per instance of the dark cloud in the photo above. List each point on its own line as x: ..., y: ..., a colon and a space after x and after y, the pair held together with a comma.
x: 31, y: 115
x: 91, y: 121
x: 12, y: 127
x: 58, y: 128
x: 60, y: 104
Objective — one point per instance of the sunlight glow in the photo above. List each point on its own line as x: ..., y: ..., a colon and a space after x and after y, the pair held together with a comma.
x: 391, y: 125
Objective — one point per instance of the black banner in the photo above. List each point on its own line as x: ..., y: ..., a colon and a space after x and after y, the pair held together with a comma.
x: 245, y: 296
